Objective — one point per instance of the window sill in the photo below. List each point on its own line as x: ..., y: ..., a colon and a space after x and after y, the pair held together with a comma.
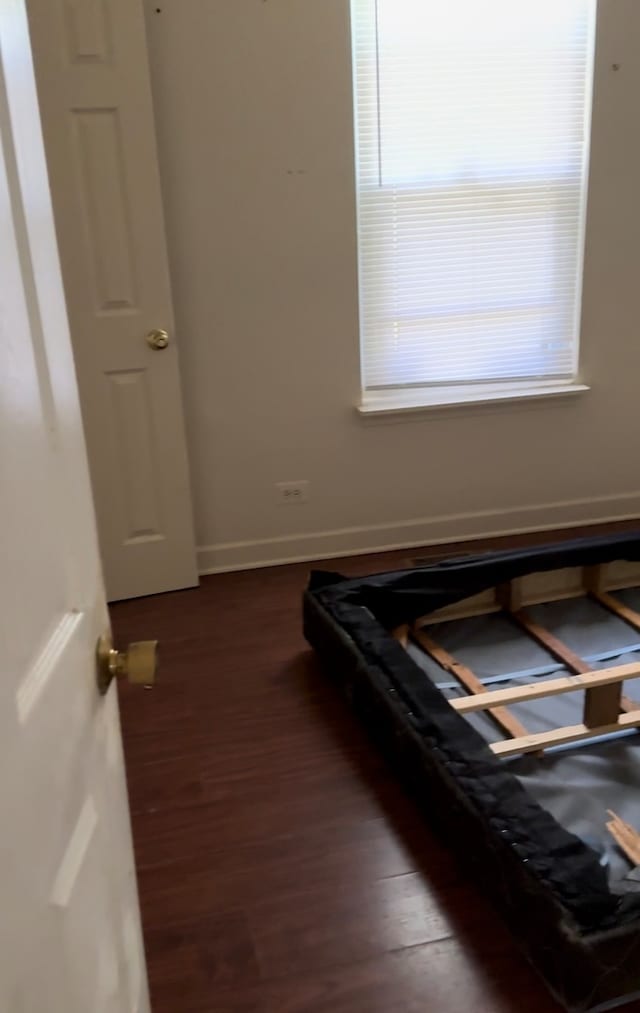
x: 398, y: 402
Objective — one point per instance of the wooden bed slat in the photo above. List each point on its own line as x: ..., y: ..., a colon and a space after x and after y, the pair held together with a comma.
x: 602, y: 705
x: 503, y: 717
x: 594, y: 580
x: 401, y: 634
x: 626, y: 837
x: 555, y: 647
x: 553, y: 687
x: 563, y: 736
x: 619, y: 609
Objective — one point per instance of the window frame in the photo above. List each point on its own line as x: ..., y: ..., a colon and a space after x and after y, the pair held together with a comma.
x: 410, y: 398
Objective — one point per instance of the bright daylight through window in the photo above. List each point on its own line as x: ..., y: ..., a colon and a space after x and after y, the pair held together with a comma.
x: 473, y: 124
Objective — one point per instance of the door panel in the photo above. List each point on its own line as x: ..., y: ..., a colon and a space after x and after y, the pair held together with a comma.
x: 88, y: 30
x: 70, y: 939
x: 99, y: 156
x: 95, y: 99
x: 133, y: 419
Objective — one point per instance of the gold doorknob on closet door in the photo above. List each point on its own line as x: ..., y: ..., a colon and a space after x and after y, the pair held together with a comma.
x: 138, y: 664
x: 158, y: 340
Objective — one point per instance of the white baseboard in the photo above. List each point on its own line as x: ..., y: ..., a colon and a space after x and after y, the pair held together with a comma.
x: 418, y: 533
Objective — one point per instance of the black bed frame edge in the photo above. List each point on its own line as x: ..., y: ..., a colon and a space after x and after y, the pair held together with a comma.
x: 547, y: 883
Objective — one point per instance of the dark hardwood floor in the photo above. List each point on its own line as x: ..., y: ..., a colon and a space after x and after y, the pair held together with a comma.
x: 281, y: 867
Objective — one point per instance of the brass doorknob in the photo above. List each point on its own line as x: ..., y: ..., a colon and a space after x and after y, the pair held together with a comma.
x: 157, y: 340
x: 137, y: 664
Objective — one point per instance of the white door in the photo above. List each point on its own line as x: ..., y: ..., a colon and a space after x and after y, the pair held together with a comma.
x: 93, y: 81
x: 70, y: 937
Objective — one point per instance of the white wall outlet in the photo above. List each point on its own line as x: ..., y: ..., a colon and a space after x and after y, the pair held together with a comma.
x: 292, y: 492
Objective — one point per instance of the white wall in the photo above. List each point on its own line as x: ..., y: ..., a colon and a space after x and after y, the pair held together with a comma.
x: 254, y: 114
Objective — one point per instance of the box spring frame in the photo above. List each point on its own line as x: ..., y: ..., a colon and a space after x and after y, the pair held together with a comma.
x: 548, y: 884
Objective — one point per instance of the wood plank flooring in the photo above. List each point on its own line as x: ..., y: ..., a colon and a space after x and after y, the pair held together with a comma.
x: 281, y: 867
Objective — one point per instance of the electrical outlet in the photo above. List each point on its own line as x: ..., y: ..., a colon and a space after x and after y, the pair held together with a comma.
x: 292, y: 492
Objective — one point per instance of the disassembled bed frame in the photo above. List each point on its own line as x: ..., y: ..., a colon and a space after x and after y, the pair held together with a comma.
x: 606, y: 710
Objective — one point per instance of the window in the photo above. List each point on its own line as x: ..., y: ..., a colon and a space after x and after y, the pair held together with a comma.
x: 473, y: 121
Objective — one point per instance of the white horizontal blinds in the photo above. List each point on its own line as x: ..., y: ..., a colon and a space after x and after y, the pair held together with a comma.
x: 472, y: 145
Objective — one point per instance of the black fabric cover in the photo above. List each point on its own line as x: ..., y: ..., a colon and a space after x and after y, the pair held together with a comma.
x: 549, y: 884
